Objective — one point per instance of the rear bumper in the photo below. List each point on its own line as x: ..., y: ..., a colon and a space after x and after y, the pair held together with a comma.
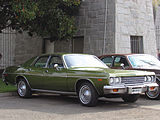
x: 128, y: 89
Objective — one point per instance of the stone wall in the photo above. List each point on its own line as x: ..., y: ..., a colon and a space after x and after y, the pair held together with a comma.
x: 91, y: 25
x: 26, y: 47
x: 17, y: 48
x: 122, y: 18
x: 90, y: 22
x: 157, y: 24
x: 7, y: 48
x: 135, y: 18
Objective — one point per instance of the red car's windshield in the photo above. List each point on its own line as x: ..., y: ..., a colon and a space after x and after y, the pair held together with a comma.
x: 143, y: 61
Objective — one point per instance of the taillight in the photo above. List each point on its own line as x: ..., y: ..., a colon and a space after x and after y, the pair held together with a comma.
x: 5, y: 74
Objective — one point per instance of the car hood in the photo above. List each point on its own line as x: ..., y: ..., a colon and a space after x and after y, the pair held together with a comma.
x: 148, y: 68
x: 115, y: 72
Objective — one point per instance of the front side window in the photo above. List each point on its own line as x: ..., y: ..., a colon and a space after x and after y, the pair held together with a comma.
x: 120, y: 60
x: 83, y: 61
x: 55, y: 60
x: 41, y: 62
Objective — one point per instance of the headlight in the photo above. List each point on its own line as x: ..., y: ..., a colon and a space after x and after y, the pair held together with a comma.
x: 153, y: 78
x: 145, y: 79
x: 150, y: 79
x: 115, y: 80
x: 111, y: 81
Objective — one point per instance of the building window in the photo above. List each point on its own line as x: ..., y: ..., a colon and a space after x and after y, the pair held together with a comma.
x: 137, y: 44
x: 78, y: 44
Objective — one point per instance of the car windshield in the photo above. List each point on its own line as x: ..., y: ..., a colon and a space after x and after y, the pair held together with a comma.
x: 143, y: 61
x: 77, y: 60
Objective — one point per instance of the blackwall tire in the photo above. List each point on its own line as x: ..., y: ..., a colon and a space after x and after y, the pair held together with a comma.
x: 87, y: 94
x: 153, y: 95
x: 23, y: 89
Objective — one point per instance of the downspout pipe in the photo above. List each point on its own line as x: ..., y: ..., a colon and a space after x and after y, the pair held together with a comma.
x: 105, y: 27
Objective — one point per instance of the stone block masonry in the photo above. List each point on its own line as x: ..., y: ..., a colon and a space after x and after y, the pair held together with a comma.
x: 157, y: 24
x: 17, y: 48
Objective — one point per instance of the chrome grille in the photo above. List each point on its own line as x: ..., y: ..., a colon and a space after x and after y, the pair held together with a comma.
x: 132, y: 80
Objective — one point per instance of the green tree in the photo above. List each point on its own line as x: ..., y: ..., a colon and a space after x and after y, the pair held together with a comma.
x: 47, y: 18
x: 155, y: 3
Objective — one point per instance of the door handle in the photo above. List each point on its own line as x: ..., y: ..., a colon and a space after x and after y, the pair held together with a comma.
x: 46, y: 71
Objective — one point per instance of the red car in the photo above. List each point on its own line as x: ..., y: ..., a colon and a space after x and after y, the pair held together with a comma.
x: 143, y: 62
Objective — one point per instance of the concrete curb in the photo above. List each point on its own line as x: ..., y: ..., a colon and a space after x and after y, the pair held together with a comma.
x: 7, y: 94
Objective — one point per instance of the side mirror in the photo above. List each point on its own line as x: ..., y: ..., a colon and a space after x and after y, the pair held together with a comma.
x: 122, y: 65
x: 56, y: 66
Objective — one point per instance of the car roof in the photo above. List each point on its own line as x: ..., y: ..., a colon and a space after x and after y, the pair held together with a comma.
x: 60, y: 54
x: 120, y: 54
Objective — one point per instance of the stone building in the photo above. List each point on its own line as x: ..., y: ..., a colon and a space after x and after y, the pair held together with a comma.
x: 157, y: 24
x: 104, y: 26
x: 113, y: 26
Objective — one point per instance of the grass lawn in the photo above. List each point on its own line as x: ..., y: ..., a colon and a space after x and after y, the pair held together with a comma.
x: 5, y: 88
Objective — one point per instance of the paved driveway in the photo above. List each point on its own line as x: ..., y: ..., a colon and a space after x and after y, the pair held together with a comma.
x: 53, y: 107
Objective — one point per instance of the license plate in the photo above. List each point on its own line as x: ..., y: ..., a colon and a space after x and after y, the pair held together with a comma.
x: 136, y: 90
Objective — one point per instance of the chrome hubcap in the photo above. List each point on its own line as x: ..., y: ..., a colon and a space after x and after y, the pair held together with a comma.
x: 153, y: 94
x: 85, y: 94
x: 21, y: 88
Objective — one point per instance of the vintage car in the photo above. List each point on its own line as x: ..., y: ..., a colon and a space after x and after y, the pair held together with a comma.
x: 78, y: 74
x: 143, y: 62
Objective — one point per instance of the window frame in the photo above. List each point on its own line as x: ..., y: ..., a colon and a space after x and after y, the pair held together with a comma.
x: 50, y: 58
x: 122, y: 57
x: 137, y: 44
x: 33, y: 65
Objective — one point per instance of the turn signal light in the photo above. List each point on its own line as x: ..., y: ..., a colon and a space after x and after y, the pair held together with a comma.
x: 99, y: 79
x: 115, y: 90
x: 152, y: 88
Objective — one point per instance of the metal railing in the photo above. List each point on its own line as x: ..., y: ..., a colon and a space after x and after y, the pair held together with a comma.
x: 7, y: 47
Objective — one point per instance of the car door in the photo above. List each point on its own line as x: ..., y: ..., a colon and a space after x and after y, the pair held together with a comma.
x: 35, y: 74
x: 55, y: 77
x: 118, y: 61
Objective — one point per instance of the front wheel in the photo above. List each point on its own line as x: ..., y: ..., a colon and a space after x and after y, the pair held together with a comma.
x: 130, y: 98
x: 153, y: 95
x: 23, y: 89
x: 87, y: 95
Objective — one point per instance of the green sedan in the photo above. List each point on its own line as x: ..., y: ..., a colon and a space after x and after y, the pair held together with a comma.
x: 78, y: 74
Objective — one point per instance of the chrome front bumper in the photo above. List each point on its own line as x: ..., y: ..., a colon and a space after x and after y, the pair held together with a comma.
x: 128, y: 89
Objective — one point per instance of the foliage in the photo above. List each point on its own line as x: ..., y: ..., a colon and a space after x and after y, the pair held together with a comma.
x: 156, y: 3
x: 5, y: 88
x: 47, y: 18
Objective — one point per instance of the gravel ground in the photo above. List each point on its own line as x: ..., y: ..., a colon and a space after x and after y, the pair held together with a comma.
x: 55, y: 107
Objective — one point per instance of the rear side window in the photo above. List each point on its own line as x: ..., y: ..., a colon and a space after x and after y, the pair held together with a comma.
x: 41, y: 62
x: 108, y: 60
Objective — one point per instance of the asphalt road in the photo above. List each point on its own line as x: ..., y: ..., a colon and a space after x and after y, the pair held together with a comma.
x: 53, y: 107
